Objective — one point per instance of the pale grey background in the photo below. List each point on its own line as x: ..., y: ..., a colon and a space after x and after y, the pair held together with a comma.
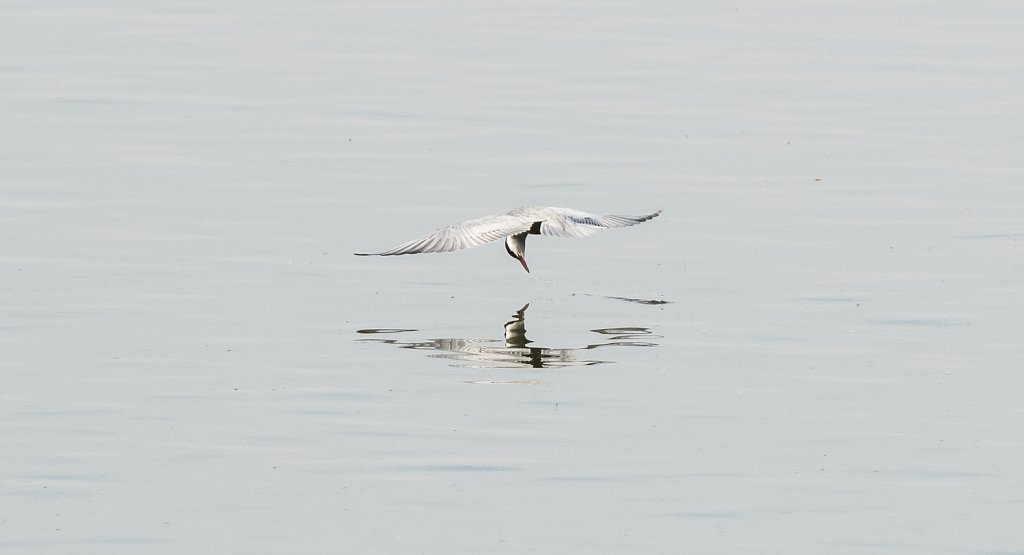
x: 182, y: 185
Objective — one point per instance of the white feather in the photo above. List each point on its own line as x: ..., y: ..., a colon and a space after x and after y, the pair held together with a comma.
x: 555, y: 222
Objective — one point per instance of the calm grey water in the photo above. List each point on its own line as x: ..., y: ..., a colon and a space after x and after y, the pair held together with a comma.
x: 193, y: 361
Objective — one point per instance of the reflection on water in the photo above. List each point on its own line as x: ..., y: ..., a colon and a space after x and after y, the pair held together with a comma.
x: 635, y: 300
x: 516, y: 350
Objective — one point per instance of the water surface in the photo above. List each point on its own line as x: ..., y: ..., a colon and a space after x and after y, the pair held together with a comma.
x: 816, y: 347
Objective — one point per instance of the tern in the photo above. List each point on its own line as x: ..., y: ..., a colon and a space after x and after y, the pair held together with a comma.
x: 514, y: 226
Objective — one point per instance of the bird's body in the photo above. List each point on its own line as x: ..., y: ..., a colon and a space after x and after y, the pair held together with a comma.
x: 514, y: 226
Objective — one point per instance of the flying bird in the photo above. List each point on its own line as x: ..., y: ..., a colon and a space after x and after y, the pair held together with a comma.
x: 514, y: 226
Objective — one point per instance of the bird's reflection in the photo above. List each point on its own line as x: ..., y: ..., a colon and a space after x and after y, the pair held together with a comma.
x: 515, y: 329
x: 518, y: 351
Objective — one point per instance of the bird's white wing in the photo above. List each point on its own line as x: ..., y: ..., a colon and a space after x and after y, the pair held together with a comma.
x: 566, y: 222
x: 472, y: 233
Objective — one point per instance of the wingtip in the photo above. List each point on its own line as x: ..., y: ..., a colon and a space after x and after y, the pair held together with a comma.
x: 651, y: 216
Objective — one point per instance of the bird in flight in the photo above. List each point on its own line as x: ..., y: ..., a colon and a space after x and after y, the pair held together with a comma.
x: 514, y: 226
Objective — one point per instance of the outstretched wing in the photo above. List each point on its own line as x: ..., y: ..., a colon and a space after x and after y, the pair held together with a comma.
x: 472, y: 233
x: 566, y: 222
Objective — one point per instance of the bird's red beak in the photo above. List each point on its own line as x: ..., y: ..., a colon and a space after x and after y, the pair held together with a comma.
x: 523, y: 262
